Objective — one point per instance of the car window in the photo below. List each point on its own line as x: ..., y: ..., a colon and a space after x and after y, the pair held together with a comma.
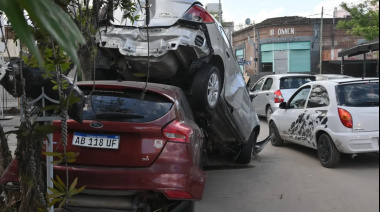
x: 319, y: 97
x: 358, y: 95
x: 125, y: 106
x: 258, y: 85
x: 268, y: 84
x: 300, y: 98
x: 295, y: 82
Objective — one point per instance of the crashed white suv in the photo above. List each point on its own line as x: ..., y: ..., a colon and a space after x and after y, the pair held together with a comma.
x: 189, y: 49
x: 334, y: 117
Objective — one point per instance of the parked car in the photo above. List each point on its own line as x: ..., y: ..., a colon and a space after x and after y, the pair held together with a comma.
x: 189, y: 49
x: 322, y: 77
x: 132, y: 147
x: 333, y: 117
x: 271, y: 90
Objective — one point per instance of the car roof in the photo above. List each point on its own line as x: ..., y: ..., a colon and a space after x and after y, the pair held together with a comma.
x: 171, y: 92
x: 344, y: 81
x: 288, y: 75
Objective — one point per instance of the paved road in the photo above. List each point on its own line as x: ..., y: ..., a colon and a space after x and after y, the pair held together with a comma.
x: 288, y: 179
x: 291, y: 179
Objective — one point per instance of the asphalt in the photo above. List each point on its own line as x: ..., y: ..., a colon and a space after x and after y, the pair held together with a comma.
x: 286, y: 179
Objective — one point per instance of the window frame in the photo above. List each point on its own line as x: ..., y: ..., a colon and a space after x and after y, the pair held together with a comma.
x: 295, y: 95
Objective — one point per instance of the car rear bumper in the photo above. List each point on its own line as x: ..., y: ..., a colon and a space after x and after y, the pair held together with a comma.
x: 169, y: 48
x: 353, y: 143
x: 171, y: 171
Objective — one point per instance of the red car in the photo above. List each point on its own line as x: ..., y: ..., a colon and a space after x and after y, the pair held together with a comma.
x: 135, y: 154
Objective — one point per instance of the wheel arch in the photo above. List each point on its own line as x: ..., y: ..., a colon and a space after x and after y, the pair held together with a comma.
x: 217, y: 61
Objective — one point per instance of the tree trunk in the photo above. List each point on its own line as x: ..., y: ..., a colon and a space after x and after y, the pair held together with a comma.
x: 5, y: 153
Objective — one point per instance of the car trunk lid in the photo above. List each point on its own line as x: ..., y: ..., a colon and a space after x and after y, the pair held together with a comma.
x: 163, y: 13
x: 120, y: 129
x: 361, y: 100
x: 124, y: 144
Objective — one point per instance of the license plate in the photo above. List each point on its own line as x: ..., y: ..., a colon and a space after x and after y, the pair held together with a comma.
x: 96, y: 141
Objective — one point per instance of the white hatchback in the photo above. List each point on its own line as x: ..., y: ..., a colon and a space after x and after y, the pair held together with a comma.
x: 333, y: 117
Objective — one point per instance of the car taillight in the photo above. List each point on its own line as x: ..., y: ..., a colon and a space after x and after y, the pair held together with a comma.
x: 278, y: 98
x: 173, y: 194
x: 198, y: 14
x: 177, y: 132
x: 346, y: 118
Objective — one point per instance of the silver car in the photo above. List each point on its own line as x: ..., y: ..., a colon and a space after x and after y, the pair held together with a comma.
x: 189, y: 49
x: 270, y: 91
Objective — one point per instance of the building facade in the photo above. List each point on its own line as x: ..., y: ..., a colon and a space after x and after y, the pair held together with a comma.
x: 292, y: 45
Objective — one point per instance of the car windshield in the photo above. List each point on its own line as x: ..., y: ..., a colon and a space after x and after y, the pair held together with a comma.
x: 294, y: 82
x: 358, y: 95
x: 125, y: 106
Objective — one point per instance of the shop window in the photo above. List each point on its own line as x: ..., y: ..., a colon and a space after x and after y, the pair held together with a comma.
x: 239, y: 56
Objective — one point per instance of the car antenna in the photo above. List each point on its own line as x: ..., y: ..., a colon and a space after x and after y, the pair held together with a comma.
x: 147, y: 21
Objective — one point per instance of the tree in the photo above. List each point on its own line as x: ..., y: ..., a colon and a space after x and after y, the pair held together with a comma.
x: 364, y: 21
x: 53, y: 31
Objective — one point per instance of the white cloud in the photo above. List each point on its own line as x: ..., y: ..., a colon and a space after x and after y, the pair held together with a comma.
x: 329, y: 5
x: 265, y: 14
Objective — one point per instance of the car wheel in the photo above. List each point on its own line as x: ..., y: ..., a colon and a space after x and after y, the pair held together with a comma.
x: 247, y: 150
x: 327, y: 152
x: 269, y: 113
x: 206, y: 88
x: 275, y: 135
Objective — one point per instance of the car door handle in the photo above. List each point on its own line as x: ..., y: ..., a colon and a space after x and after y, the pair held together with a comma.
x: 267, y: 94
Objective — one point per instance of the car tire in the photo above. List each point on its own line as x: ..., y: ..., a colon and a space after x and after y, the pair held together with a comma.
x: 276, y: 139
x: 247, y: 149
x: 206, y: 88
x: 269, y: 112
x: 328, y: 154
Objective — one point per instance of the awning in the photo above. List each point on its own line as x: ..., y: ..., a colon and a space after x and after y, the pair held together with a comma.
x: 360, y: 49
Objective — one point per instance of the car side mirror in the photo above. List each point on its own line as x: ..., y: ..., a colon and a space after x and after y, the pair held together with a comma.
x: 284, y: 106
x: 252, y: 96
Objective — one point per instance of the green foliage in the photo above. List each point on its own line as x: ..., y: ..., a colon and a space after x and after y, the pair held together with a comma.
x: 68, y: 157
x: 365, y: 19
x: 61, y: 193
x: 129, y: 8
x: 47, y: 16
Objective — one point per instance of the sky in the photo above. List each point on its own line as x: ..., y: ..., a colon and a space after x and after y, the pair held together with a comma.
x: 258, y: 10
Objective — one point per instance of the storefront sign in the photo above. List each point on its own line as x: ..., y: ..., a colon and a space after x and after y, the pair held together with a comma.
x: 286, y: 31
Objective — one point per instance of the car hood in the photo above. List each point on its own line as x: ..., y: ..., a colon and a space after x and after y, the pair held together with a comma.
x: 162, y: 12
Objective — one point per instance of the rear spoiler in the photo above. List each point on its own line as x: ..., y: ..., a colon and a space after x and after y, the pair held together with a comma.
x: 363, y: 80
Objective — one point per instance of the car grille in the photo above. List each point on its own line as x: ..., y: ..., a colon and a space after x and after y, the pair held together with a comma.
x: 199, y: 41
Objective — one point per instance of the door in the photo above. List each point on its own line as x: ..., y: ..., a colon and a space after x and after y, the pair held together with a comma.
x: 292, y: 120
x: 317, y: 116
x: 281, y: 62
x: 254, y: 93
x: 263, y: 97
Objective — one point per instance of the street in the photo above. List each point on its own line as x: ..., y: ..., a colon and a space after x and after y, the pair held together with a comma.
x: 287, y: 179
x: 291, y: 179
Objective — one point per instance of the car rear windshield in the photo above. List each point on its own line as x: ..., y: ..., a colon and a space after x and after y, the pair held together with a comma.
x: 125, y: 106
x: 358, y: 95
x: 294, y: 82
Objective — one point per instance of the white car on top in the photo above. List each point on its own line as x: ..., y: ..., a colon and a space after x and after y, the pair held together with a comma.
x: 333, y: 117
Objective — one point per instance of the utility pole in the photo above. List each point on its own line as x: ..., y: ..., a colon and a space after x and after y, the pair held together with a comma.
x: 255, y: 47
x: 321, y: 44
x: 220, y: 12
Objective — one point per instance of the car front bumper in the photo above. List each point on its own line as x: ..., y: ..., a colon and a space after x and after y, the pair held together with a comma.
x: 353, y: 143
